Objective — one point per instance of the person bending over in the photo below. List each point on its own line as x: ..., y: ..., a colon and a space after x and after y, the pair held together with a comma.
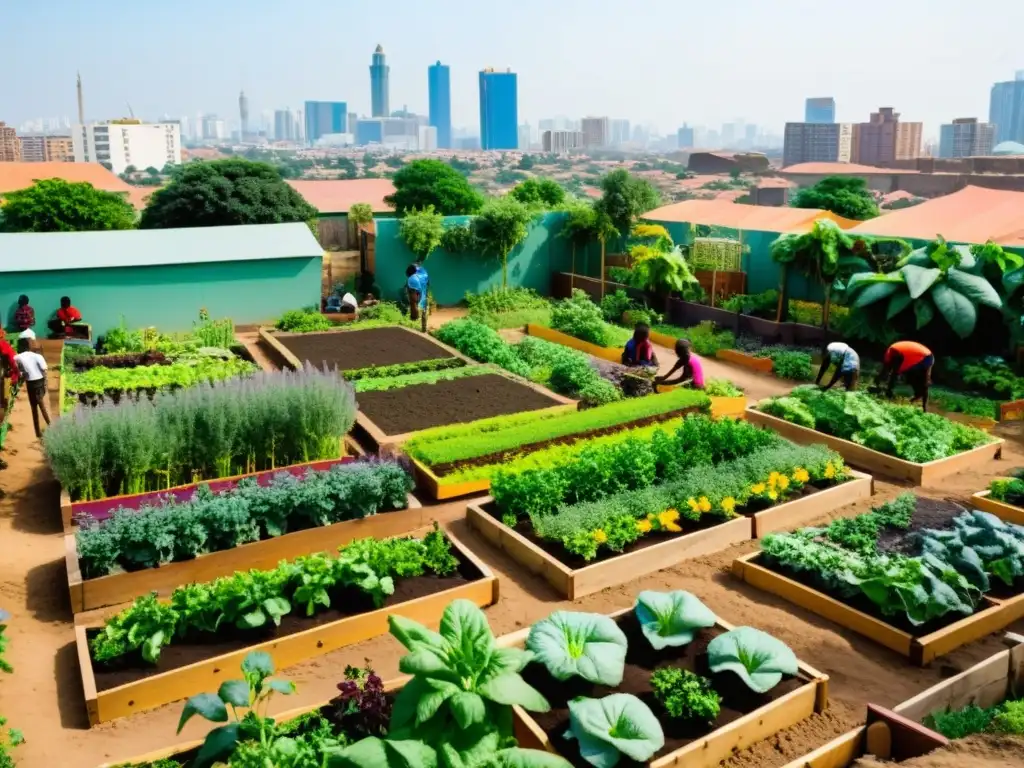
x: 912, y: 361
x: 639, y: 351
x: 847, y: 363
x: 692, y: 373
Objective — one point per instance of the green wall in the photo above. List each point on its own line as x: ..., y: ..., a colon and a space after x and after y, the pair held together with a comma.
x: 169, y: 297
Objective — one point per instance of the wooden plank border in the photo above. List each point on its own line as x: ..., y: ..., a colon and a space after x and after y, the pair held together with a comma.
x: 992, y: 615
x: 983, y: 500
x: 795, y: 513
x: 208, y: 674
x: 89, y: 594
x: 594, y: 350
x: 759, y: 364
x: 876, y: 462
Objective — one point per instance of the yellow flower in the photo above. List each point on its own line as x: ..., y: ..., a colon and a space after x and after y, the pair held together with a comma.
x: 667, y: 520
x: 652, y: 517
x: 692, y: 504
x: 773, y: 479
x: 801, y: 475
x: 757, y: 488
x: 783, y: 482
x: 704, y: 504
x: 729, y: 504
x: 600, y: 536
x: 773, y: 495
x: 830, y: 470
x: 644, y: 526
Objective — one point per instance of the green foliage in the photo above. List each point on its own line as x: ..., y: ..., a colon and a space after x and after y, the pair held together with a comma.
x: 360, y: 214
x: 588, y: 645
x: 860, y: 533
x: 500, y: 226
x: 385, y: 383
x: 421, y: 231
x: 960, y: 724
x: 898, y: 430
x: 792, y: 364
x: 508, y: 307
x: 685, y: 695
x: 581, y: 318
x: 957, y: 402
x: 483, y: 344
x: 459, y: 238
x: 184, y: 373
x: 434, y: 183
x: 5, y: 666
x: 979, y: 546
x: 9, y: 739
x: 55, y: 205
x: 580, y: 226
x: 1010, y: 718
x: 819, y: 253
x: 1009, y: 490
x: 403, y: 369
x: 617, y: 725
x: 227, y: 428
x: 705, y: 339
x: 171, y: 531
x: 540, y: 193
x: 991, y: 376
x: 758, y: 658
x: 670, y: 619
x: 764, y: 304
x: 224, y: 193
x: 844, y: 196
x: 661, y: 271
x: 146, y: 626
x: 303, y: 321
x: 721, y: 388
x: 625, y: 199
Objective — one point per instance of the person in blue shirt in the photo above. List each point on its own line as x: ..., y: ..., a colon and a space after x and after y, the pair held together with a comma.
x: 639, y: 352
x: 417, y: 283
x: 847, y: 363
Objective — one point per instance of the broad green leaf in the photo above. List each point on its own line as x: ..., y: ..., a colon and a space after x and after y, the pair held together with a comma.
x: 435, y: 693
x: 403, y: 711
x: 425, y: 660
x: 285, y: 687
x: 151, y: 647
x: 957, y: 309
x: 1013, y: 280
x: 671, y: 618
x: 974, y: 287
x: 618, y: 724
x: 590, y: 645
x: 864, y: 279
x: 276, y: 607
x: 234, y: 692
x: 919, y: 279
x: 258, y: 661
x: 219, y: 744
x: 509, y: 660
x: 877, y: 292
x: 897, y: 303
x: 516, y: 757
x: 758, y: 658
x: 511, y: 689
x: 923, y: 312
x: 252, y: 619
x: 467, y: 708
x: 410, y: 633
x: 465, y: 628
x: 372, y: 752
x: 206, y: 705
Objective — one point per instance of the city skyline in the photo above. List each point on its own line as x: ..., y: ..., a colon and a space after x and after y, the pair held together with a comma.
x: 586, y: 81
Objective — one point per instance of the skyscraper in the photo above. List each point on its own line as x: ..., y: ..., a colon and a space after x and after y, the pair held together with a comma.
x: 810, y: 143
x: 243, y: 113
x: 81, y: 104
x: 325, y: 117
x: 439, y: 84
x: 820, y: 110
x: 499, y: 110
x: 284, y: 125
x: 595, y: 131
x: 619, y: 132
x: 966, y: 137
x: 685, y: 137
x: 1006, y: 109
x: 380, y: 102
x: 884, y: 139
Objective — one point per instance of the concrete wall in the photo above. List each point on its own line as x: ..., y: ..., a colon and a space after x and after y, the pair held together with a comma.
x: 920, y: 184
x: 169, y: 297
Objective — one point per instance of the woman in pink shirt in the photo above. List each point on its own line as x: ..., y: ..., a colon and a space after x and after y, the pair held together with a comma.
x: 693, y: 369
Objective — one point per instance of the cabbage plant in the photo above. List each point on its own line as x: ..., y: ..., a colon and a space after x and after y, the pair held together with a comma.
x: 758, y: 658
x: 671, y: 618
x: 619, y: 724
x: 590, y: 645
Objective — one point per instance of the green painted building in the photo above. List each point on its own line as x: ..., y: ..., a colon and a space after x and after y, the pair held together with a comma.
x: 162, y: 277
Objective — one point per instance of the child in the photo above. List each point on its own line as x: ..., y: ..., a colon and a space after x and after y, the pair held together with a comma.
x: 67, y: 316
x: 24, y: 315
x: 32, y: 367
x: 639, y: 351
x: 693, y: 369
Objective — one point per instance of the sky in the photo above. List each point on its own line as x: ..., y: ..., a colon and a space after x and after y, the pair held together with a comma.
x: 658, y: 62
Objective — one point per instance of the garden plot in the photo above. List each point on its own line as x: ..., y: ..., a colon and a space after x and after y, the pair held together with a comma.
x: 917, y: 575
x: 349, y: 350
x: 1004, y: 499
x: 155, y: 652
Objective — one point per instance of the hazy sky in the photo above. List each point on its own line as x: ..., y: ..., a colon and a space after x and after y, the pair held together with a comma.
x: 656, y: 61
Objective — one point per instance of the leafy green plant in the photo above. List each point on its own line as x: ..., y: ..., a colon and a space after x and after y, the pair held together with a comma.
x: 704, y: 338
x: 386, y: 383
x: 979, y: 545
x: 9, y: 739
x: 588, y: 645
x: 671, y: 619
x: 187, y: 373
x: 1008, y: 489
x: 581, y: 318
x: 458, y: 238
x: 512, y: 307
x: 482, y: 343
x: 615, y: 305
x: 685, y: 695
x: 788, y: 364
x: 961, y: 723
x: 661, y: 272
x: 146, y: 626
x: 759, y: 659
x: 721, y: 388
x: 421, y: 230
x: 403, y: 369
x: 5, y: 665
x: 1010, y: 718
x: 616, y: 725
x: 764, y: 304
x: 303, y: 321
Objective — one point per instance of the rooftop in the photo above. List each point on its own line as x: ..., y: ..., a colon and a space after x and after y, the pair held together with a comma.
x: 841, y: 168
x: 54, y: 251
x: 15, y: 176
x: 722, y: 213
x: 337, y: 196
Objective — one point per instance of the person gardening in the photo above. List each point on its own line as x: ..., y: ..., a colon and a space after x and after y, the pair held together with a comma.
x: 847, y: 363
x: 66, y: 318
x: 32, y: 366
x: 417, y: 283
x: 639, y: 352
x: 912, y: 361
x: 24, y: 315
x: 692, y: 374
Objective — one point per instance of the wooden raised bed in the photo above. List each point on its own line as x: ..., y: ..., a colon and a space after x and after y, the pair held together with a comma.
x: 983, y: 500
x: 993, y: 614
x: 759, y: 364
x: 208, y: 674
x: 876, y: 462
x: 88, y: 594
x: 1012, y: 411
x: 548, y: 334
x: 710, y: 750
x: 801, y: 511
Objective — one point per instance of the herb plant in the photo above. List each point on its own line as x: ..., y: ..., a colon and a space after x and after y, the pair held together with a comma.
x: 685, y: 695
x: 361, y: 708
x: 303, y: 321
x: 4, y: 664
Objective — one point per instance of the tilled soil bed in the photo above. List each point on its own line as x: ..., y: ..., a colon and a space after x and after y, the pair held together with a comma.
x: 348, y: 350
x: 410, y: 409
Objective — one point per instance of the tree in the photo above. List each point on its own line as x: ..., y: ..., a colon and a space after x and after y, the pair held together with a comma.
x: 359, y: 214
x: 579, y: 229
x: 845, y: 196
x: 152, y: 171
x: 129, y: 170
x: 501, y: 226
x: 421, y: 231
x: 542, y: 193
x: 431, y: 182
x: 526, y: 162
x: 625, y: 198
x: 225, y: 192
x: 55, y: 205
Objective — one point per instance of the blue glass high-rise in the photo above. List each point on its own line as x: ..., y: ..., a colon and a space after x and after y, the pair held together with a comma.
x: 325, y: 117
x: 1006, y: 109
x: 499, y: 110
x: 820, y: 110
x: 439, y: 82
x: 380, y: 99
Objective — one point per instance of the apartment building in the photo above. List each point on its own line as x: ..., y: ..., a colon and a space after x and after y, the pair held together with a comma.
x: 120, y: 143
x: 595, y: 131
x: 10, y: 144
x: 47, y: 149
x: 561, y: 142
x: 964, y: 137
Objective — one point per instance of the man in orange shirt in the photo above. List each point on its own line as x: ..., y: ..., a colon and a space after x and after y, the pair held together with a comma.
x: 67, y: 316
x: 912, y: 361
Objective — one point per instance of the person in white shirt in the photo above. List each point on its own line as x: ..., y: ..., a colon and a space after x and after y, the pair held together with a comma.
x: 847, y: 363
x: 33, y: 370
x: 349, y: 305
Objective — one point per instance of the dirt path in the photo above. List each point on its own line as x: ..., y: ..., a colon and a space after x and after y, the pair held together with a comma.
x: 44, y: 695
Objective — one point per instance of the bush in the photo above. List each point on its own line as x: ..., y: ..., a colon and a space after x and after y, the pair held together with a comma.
x: 614, y: 305
x: 705, y: 338
x: 580, y: 318
x: 685, y: 695
x: 509, y: 308
x: 459, y: 238
x: 764, y: 304
x: 227, y: 428
x: 721, y: 388
x: 302, y: 321
x: 792, y: 364
x: 483, y: 344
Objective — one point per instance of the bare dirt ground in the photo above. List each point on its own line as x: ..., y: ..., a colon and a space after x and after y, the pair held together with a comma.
x: 44, y: 695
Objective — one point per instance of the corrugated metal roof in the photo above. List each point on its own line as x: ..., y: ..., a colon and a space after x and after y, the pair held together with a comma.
x: 721, y: 213
x: 52, y: 251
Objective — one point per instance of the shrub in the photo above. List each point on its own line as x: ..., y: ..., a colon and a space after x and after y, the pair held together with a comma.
x: 721, y: 388
x: 302, y: 321
x: 509, y: 308
x: 614, y: 305
x: 685, y: 695
x: 483, y: 344
x: 705, y: 339
x: 790, y: 364
x: 581, y: 318
x: 229, y: 427
x: 459, y: 238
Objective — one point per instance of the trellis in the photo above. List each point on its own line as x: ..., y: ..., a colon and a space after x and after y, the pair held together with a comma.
x: 714, y: 255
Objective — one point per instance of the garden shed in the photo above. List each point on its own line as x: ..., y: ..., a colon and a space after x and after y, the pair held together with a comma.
x: 162, y: 277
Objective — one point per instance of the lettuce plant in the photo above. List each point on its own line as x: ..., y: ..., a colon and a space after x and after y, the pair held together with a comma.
x: 685, y: 695
x: 671, y: 618
x: 617, y: 725
x: 979, y: 545
x: 758, y: 658
x: 590, y: 645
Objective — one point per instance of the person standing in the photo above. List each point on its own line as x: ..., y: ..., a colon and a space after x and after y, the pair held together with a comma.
x: 9, y: 370
x: 847, y: 363
x: 912, y: 361
x: 24, y: 315
x: 692, y: 374
x: 417, y: 284
x: 33, y: 368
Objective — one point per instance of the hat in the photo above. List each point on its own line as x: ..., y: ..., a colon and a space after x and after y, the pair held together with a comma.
x: 28, y: 333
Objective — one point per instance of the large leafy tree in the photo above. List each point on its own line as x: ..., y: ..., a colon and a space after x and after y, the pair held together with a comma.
x: 421, y: 231
x: 55, y: 205
x: 845, y: 196
x: 625, y: 198
x: 501, y: 226
x: 578, y: 228
x: 431, y: 182
x: 225, y: 192
x: 541, y: 193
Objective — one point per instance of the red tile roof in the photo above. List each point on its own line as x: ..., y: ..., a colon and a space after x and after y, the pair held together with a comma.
x: 722, y: 213
x: 841, y: 169
x: 337, y: 196
x: 15, y: 176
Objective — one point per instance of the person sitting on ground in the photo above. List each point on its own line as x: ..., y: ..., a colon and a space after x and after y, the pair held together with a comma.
x: 349, y: 305
x: 638, y: 350
x: 24, y: 315
x: 66, y: 318
x: 692, y: 374
x: 32, y: 366
x: 912, y: 361
x: 847, y: 363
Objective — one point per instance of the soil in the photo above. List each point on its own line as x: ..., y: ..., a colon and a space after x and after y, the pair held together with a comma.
x: 928, y: 514
x: 641, y: 660
x: 44, y: 697
x: 456, y: 401
x: 348, y: 350
x: 202, y: 646
x: 980, y: 751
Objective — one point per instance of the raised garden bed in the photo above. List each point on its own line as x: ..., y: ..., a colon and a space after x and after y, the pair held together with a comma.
x: 350, y: 349
x: 188, y: 668
x: 549, y: 334
x: 745, y: 717
x: 1012, y: 514
x: 876, y: 462
x: 759, y: 364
